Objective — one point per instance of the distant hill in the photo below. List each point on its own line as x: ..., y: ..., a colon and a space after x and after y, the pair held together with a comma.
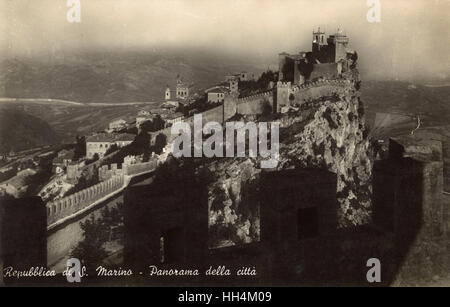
x: 20, y: 130
x: 113, y: 77
x: 404, y: 99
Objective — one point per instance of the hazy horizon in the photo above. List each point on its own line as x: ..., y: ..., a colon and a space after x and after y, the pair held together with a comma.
x: 410, y: 42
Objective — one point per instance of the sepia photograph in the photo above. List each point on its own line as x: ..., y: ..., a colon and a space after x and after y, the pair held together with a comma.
x: 247, y: 144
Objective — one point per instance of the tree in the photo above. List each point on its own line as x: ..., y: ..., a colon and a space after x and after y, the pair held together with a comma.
x: 96, y: 232
x: 95, y: 157
x: 266, y: 108
x: 111, y: 149
x: 160, y: 143
x: 90, y: 250
x: 80, y: 147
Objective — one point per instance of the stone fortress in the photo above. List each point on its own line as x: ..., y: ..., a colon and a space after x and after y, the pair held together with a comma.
x: 319, y: 216
x: 326, y: 209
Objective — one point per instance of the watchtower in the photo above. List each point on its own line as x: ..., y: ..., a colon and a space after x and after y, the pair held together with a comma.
x: 341, y: 42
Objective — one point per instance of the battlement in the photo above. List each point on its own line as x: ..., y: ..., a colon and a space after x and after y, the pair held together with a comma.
x: 324, y: 82
x: 309, y: 91
x: 62, y: 208
x: 266, y: 94
x: 283, y: 84
x: 79, y: 201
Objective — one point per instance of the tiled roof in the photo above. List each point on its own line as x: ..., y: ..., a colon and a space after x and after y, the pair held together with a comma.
x: 111, y: 138
x: 19, y: 181
x: 125, y: 137
x: 219, y: 90
x: 102, y: 137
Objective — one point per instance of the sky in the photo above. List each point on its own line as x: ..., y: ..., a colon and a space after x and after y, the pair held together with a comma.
x: 412, y: 38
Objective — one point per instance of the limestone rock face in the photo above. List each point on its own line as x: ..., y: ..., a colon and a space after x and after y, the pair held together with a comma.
x: 327, y: 132
x: 233, y: 203
x: 332, y: 136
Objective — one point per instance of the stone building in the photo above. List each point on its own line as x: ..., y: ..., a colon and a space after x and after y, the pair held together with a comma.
x: 64, y: 158
x: 242, y: 76
x: 100, y: 143
x: 117, y: 125
x: 327, y: 59
x: 17, y: 185
x: 217, y: 94
x: 182, y: 91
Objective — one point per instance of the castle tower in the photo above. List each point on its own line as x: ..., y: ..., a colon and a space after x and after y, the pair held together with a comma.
x: 281, y: 63
x: 234, y: 85
x: 341, y: 42
x: 282, y: 96
x: 318, y: 40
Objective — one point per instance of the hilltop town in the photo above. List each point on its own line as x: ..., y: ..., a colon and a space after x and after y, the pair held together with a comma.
x: 333, y: 193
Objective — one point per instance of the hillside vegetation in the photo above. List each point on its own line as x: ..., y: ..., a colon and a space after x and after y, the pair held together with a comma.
x: 20, y: 130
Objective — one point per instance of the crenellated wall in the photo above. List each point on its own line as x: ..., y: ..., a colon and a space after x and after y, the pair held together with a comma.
x: 62, y: 208
x: 106, y: 172
x: 71, y: 204
x: 255, y: 104
x: 134, y: 169
x: 310, y: 91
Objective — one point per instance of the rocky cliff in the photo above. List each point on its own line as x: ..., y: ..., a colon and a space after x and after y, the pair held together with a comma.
x: 326, y: 132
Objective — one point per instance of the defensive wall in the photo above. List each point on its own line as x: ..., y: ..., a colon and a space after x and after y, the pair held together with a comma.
x: 67, y: 206
x: 71, y: 204
x: 308, y: 91
x: 259, y: 103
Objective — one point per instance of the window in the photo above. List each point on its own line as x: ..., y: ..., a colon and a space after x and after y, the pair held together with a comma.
x: 307, y: 223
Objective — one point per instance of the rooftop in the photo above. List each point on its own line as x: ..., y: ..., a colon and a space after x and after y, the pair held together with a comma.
x: 105, y: 137
x: 218, y: 89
